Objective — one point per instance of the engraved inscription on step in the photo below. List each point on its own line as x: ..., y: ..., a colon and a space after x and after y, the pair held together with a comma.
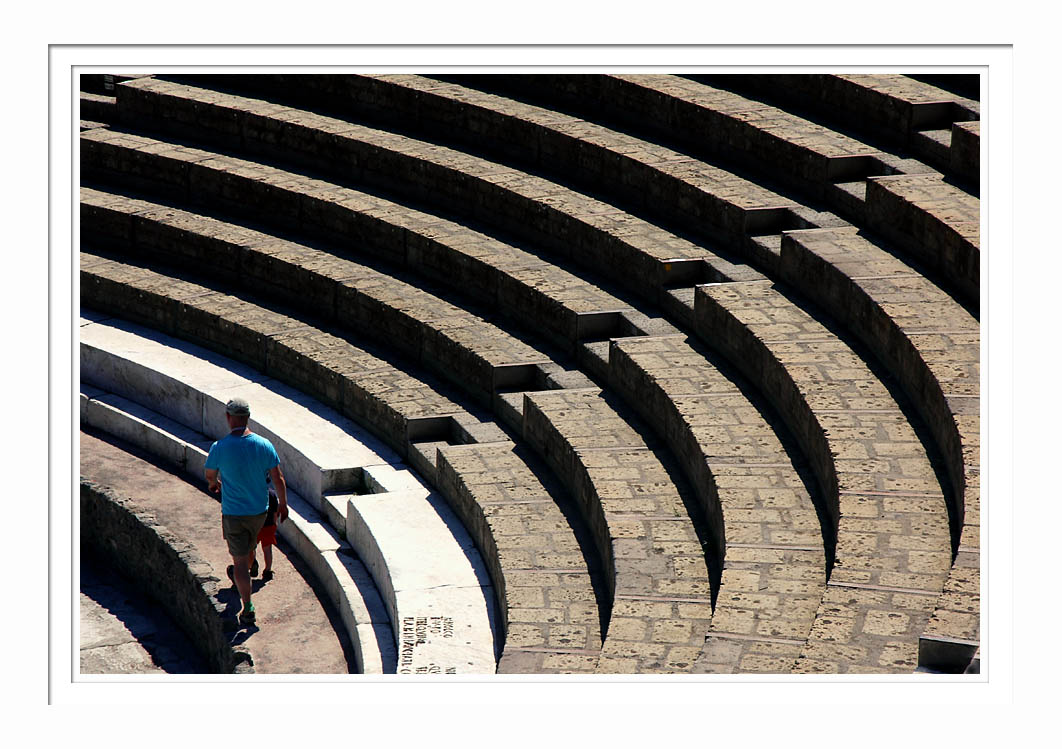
x: 419, y: 644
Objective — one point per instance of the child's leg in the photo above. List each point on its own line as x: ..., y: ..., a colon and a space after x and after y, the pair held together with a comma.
x: 267, y: 552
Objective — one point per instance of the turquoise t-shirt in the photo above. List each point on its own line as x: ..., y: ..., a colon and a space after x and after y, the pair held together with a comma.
x: 243, y: 463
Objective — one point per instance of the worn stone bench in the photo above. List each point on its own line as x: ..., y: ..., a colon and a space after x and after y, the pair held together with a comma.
x: 767, y: 528
x: 646, y: 175
x: 932, y: 346
x: 452, y: 342
x: 95, y: 107
x: 397, y: 408
x: 519, y: 284
x: 893, y: 552
x: 710, y: 120
x: 939, y: 224
x: 650, y: 548
x: 964, y: 152
x: 551, y: 591
x: 897, y: 107
x: 546, y: 213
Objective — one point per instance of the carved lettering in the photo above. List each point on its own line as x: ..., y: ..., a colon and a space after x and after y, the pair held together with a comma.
x: 419, y: 631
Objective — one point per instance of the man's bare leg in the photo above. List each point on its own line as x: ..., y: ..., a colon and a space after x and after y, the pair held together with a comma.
x: 241, y: 575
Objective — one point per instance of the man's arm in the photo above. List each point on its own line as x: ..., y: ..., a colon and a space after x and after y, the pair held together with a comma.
x: 212, y: 480
x: 282, y: 492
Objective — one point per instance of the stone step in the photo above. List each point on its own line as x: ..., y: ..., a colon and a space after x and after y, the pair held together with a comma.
x: 552, y: 612
x: 394, y: 406
x: 454, y: 343
x: 896, y: 107
x: 431, y: 578
x: 648, y: 176
x: 711, y: 121
x: 931, y: 345
x: 96, y: 107
x: 546, y: 213
x: 350, y: 588
x: 939, y: 224
x: 766, y: 529
x: 519, y: 284
x: 894, y: 548
x: 652, y: 553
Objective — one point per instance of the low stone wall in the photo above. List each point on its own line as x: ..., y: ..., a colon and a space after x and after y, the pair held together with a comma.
x: 163, y: 566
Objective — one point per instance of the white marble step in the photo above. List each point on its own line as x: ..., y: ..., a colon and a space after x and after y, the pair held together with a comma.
x: 319, y: 449
x: 438, y: 594
x: 432, y: 581
x: 350, y: 586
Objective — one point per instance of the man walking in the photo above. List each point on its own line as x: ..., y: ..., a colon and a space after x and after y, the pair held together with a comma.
x: 238, y: 465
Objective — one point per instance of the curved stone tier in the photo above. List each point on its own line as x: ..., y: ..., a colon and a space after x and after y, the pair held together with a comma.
x: 775, y: 561
x: 538, y: 552
x: 893, y: 539
x: 856, y: 179
x: 642, y: 524
x: 800, y: 501
x: 913, y: 113
x: 456, y: 344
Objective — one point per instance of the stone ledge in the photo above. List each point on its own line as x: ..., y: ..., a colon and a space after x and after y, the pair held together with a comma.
x: 164, y: 567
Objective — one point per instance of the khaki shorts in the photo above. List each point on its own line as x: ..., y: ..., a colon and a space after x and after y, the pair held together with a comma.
x: 241, y: 532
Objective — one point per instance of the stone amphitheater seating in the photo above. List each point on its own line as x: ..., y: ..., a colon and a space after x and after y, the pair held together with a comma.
x: 325, y: 459
x: 775, y: 145
x: 335, y: 506
x: 714, y: 414
x: 900, y: 108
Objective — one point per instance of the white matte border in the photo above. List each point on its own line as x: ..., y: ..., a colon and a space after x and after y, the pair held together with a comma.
x: 647, y: 691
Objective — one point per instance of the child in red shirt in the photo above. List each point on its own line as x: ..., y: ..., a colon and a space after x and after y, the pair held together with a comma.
x: 268, y: 538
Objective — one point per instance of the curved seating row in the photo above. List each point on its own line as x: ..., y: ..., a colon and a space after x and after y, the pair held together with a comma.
x: 553, y: 616
x: 96, y: 107
x: 652, y: 552
x: 938, y: 223
x: 506, y: 277
x: 931, y: 345
x: 648, y: 176
x: 452, y: 342
x: 775, y: 561
x: 853, y: 177
x: 390, y: 507
x: 572, y: 224
x: 893, y: 538
x: 338, y: 357
x: 914, y: 113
